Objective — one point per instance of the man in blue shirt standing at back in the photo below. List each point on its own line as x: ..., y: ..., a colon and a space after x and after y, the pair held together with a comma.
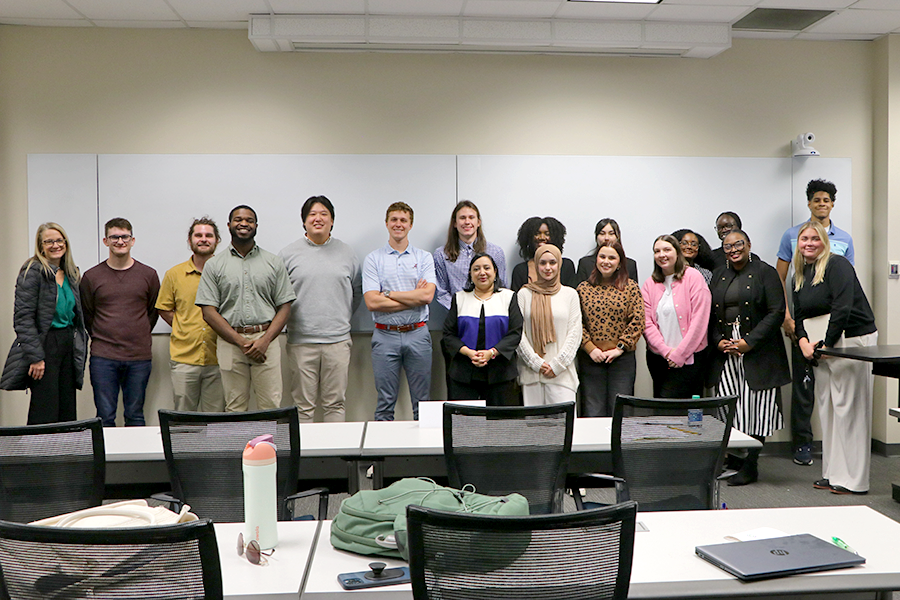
x: 398, y: 286
x: 820, y: 197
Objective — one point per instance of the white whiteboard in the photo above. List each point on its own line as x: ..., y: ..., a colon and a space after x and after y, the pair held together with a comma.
x: 648, y: 196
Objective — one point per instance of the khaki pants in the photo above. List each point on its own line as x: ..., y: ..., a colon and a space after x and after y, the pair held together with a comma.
x: 238, y: 370
x: 197, y: 387
x: 319, y: 375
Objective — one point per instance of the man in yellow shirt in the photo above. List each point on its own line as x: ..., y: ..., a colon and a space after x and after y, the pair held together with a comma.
x: 196, y: 379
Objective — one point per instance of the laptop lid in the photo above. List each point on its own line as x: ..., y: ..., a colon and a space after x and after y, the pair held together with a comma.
x: 778, y: 557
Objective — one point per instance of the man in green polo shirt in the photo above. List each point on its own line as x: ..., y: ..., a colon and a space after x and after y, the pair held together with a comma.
x: 196, y: 381
x: 245, y: 295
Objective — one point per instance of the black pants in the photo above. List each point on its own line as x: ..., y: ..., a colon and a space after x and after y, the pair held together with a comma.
x: 504, y: 393
x: 53, y: 395
x: 601, y: 382
x: 803, y: 398
x: 682, y: 382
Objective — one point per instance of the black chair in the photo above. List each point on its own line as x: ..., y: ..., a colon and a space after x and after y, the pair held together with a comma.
x: 170, y: 561
x: 506, y: 449
x: 203, y: 455
x: 579, y: 556
x: 659, y: 459
x: 48, y: 470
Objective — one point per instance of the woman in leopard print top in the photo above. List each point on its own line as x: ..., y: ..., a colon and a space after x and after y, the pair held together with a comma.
x: 612, y: 312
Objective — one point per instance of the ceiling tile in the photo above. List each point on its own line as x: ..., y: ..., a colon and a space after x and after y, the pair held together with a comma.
x: 858, y: 21
x: 763, y: 35
x: 47, y: 22
x: 710, y: 2
x: 318, y: 7
x: 139, y: 24
x: 218, y: 10
x: 602, y: 10
x: 530, y: 9
x: 808, y: 4
x: 702, y: 14
x: 217, y: 24
x: 835, y: 37
x: 37, y: 9
x: 877, y: 4
x: 448, y: 8
x: 124, y: 10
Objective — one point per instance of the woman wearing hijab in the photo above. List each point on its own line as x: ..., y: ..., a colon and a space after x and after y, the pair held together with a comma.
x: 826, y: 286
x: 748, y: 356
x: 481, y: 334
x: 676, y: 313
x: 49, y: 352
x: 552, y: 317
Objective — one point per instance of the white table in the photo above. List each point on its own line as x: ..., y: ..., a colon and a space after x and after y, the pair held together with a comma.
x: 410, y: 450
x: 135, y: 454
x: 282, y: 577
x: 665, y: 565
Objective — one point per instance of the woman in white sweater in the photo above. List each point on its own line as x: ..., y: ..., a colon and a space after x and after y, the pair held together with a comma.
x: 552, y: 335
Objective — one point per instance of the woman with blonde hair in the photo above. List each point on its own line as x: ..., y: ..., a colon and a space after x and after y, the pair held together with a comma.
x: 48, y: 355
x: 831, y: 310
x: 552, y: 317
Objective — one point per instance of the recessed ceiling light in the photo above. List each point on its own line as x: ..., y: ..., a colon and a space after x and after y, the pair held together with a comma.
x: 622, y: 1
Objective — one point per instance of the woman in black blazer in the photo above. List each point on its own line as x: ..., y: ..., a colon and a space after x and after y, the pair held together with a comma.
x: 748, y: 356
x: 606, y: 231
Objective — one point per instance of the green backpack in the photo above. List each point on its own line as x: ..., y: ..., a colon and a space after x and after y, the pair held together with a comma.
x: 374, y: 521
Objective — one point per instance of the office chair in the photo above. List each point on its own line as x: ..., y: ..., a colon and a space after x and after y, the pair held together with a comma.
x: 506, y: 449
x: 203, y: 454
x: 579, y: 556
x: 142, y: 563
x: 662, y: 462
x: 48, y: 470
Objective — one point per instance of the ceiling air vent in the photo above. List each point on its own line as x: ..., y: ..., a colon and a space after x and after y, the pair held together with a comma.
x: 780, y: 19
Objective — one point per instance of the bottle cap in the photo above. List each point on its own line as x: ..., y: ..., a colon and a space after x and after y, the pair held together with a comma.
x: 260, y: 450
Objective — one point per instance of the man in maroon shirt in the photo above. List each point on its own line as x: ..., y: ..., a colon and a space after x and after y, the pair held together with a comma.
x: 119, y: 301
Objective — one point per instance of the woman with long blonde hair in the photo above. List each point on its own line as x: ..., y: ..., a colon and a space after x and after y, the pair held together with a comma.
x: 831, y: 310
x: 48, y: 355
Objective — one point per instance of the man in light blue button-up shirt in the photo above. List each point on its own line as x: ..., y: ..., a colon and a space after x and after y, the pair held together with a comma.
x: 398, y: 286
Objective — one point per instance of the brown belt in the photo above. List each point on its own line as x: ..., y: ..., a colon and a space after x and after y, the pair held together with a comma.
x: 252, y: 328
x: 400, y: 328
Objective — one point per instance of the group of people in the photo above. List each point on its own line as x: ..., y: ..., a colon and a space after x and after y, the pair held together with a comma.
x: 712, y: 322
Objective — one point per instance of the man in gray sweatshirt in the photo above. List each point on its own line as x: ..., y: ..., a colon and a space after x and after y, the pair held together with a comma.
x: 327, y: 279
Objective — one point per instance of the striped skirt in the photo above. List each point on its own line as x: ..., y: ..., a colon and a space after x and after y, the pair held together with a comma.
x: 758, y: 412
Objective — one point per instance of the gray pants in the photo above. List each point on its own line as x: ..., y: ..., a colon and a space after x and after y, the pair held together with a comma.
x: 392, y: 350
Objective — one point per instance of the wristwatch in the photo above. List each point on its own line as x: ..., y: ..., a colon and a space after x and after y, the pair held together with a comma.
x: 386, y: 293
x: 621, y: 346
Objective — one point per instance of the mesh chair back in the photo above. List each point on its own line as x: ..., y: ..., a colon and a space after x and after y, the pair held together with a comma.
x: 172, y: 561
x: 203, y: 455
x: 47, y: 470
x: 506, y: 449
x: 666, y: 463
x: 583, y: 555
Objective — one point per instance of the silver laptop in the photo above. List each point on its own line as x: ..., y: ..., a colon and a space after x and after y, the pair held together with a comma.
x: 778, y: 557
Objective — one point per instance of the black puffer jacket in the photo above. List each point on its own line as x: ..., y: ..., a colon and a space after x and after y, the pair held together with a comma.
x: 33, y: 314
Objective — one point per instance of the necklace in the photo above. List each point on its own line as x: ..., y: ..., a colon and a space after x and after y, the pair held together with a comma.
x: 480, y: 298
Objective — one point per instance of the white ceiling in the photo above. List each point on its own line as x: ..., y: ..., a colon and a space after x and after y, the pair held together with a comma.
x: 853, y: 19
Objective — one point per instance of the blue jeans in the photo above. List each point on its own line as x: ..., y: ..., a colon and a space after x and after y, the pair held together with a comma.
x: 390, y: 351
x: 108, y: 377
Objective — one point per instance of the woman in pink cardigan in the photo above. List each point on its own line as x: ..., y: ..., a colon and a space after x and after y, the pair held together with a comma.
x: 676, y: 311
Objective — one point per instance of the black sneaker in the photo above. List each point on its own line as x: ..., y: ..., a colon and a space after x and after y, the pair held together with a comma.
x: 839, y: 489
x: 822, y: 484
x: 803, y: 455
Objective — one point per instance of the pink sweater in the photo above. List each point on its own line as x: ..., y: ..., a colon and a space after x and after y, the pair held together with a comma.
x: 692, y: 305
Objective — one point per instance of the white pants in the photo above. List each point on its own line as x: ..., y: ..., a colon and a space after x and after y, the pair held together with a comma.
x: 538, y: 394
x: 844, y: 399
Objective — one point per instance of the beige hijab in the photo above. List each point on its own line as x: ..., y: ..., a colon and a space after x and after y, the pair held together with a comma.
x: 542, y: 330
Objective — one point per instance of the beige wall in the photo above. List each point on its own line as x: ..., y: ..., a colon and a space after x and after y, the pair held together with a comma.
x: 160, y: 91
